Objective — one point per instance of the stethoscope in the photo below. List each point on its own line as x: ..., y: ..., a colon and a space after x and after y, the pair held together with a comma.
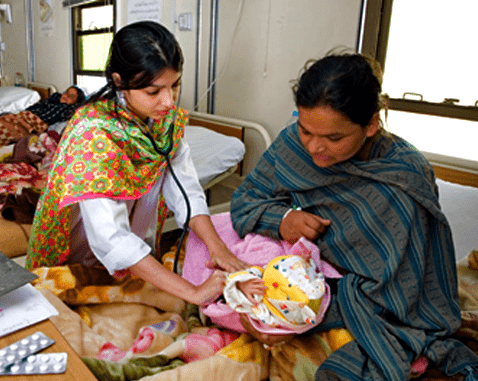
x: 165, y: 153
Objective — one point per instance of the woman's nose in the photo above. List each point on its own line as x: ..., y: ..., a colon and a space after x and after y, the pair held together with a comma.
x: 316, y: 145
x: 167, y: 97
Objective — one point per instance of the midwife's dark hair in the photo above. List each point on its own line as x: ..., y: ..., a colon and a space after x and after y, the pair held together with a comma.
x: 348, y: 83
x: 139, y: 52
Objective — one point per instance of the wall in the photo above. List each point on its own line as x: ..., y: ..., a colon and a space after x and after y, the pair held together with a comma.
x: 52, y: 53
x: 272, y: 41
x: 14, y: 37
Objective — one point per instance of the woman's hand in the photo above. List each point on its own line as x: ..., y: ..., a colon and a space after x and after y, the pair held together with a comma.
x: 210, y: 289
x: 159, y: 276
x: 266, y: 339
x: 221, y: 256
x: 299, y: 224
x: 252, y: 287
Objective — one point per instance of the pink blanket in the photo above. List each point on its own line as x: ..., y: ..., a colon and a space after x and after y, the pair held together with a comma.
x: 253, y: 249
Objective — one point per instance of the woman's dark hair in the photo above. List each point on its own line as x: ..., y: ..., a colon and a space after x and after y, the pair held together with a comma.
x: 80, y: 95
x: 348, y: 83
x: 139, y: 52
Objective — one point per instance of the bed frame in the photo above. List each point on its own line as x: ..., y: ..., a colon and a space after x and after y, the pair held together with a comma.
x: 43, y: 89
x: 255, y: 136
x: 456, y: 176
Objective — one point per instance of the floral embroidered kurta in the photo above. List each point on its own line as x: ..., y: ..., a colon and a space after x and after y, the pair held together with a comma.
x: 105, y: 153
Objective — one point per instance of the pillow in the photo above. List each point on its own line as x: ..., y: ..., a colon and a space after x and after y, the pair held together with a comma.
x: 212, y: 153
x: 16, y: 99
x: 460, y: 204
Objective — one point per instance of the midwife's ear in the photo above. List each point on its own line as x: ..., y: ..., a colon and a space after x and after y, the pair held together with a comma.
x: 116, y: 79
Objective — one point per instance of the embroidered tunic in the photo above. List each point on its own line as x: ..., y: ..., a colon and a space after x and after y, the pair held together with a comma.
x: 104, y: 154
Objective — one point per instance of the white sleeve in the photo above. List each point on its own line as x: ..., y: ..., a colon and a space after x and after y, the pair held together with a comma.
x: 184, y: 170
x: 109, y: 234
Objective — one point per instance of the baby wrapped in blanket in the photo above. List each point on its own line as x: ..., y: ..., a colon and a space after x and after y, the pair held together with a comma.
x: 295, y: 295
x: 307, y: 309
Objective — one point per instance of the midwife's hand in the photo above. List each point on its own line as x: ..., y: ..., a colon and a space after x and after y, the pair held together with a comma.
x: 210, y: 289
x: 302, y: 224
x: 223, y: 258
x: 266, y: 339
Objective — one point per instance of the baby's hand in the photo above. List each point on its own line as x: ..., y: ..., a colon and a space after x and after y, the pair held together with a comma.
x: 251, y: 287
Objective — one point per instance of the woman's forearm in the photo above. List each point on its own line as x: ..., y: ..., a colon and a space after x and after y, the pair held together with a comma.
x: 150, y: 270
x: 220, y: 256
x: 202, y: 226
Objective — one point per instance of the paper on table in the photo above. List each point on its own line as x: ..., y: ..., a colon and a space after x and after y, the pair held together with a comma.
x: 23, y: 307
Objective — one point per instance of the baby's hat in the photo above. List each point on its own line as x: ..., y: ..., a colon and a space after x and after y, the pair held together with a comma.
x: 295, y: 289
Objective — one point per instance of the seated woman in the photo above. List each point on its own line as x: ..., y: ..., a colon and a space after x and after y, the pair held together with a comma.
x: 38, y: 117
x: 368, y: 199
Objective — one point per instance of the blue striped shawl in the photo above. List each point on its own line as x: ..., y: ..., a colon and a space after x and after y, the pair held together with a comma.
x: 399, y: 298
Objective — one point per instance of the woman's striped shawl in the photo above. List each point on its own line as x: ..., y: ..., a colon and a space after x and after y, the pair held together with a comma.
x: 399, y: 298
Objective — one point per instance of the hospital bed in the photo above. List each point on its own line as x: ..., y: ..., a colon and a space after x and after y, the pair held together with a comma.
x: 14, y: 99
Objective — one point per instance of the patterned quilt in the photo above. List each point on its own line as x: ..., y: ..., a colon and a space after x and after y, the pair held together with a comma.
x: 125, y: 329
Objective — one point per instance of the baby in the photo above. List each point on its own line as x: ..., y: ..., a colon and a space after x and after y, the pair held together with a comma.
x: 290, y: 292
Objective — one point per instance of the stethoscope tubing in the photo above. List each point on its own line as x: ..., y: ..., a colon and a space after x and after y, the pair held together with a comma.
x: 165, y: 153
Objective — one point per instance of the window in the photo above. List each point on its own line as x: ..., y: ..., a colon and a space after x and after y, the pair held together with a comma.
x: 426, y: 50
x: 93, y: 30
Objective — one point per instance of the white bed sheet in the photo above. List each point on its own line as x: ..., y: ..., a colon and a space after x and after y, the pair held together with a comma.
x: 212, y: 153
x: 460, y: 205
x: 15, y: 99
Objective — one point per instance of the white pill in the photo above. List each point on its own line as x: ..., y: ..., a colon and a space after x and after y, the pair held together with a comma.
x: 43, y: 368
x: 29, y: 368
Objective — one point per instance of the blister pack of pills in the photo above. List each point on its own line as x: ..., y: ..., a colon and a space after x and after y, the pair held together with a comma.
x: 20, y: 358
x: 47, y: 363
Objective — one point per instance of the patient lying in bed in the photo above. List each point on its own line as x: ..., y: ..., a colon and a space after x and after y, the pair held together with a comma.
x: 36, y: 118
x: 26, y: 150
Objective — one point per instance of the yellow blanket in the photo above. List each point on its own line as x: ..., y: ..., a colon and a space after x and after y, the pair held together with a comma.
x: 109, y: 313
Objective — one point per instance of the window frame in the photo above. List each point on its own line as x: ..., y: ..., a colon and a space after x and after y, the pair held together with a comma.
x: 77, y: 34
x: 374, y: 41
